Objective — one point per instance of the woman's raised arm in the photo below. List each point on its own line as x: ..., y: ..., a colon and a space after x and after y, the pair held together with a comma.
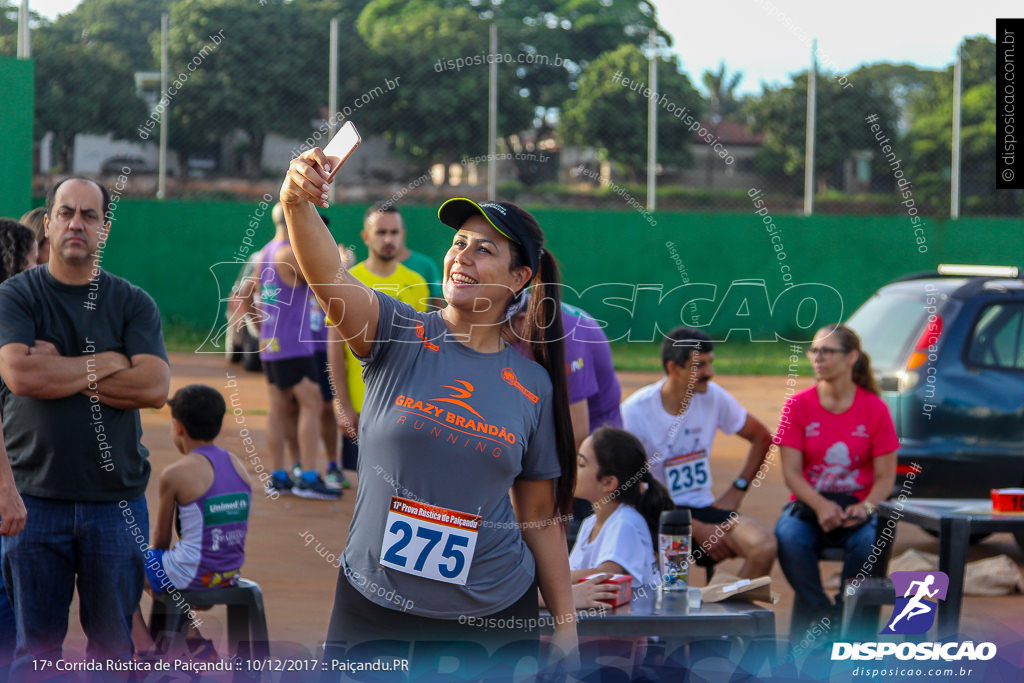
x: 350, y: 305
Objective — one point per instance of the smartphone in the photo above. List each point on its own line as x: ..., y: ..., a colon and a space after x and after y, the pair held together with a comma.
x: 341, y: 146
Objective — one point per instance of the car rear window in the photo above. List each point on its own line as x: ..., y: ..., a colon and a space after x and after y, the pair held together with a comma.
x: 997, y: 340
x: 886, y: 324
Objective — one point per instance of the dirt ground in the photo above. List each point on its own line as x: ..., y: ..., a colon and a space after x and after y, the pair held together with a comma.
x: 298, y: 585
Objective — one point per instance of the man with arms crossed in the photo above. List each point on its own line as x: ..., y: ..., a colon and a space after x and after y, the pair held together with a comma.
x: 676, y: 419
x: 81, y: 352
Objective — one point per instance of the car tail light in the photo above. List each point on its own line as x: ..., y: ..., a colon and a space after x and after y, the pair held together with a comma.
x: 929, y: 337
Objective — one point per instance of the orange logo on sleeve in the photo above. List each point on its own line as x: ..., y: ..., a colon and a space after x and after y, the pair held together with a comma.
x: 422, y: 334
x: 509, y: 376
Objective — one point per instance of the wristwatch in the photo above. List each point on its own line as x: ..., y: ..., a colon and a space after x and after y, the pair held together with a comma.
x: 869, y: 508
x: 741, y: 483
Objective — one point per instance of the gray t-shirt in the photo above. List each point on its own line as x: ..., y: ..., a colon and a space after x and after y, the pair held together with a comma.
x: 448, y: 426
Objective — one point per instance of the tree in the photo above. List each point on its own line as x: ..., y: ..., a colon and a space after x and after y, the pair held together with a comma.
x: 781, y: 114
x: 609, y: 115
x: 549, y: 44
x: 578, y: 31
x: 903, y: 83
x: 9, y: 26
x: 267, y: 74
x: 723, y: 103
x: 440, y: 113
x: 8, y: 23
x: 82, y: 89
x: 978, y: 55
x: 929, y: 137
x: 81, y: 86
x: 721, y: 92
x: 131, y: 26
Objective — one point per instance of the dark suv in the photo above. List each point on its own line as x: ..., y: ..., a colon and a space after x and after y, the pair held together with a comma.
x: 947, y: 349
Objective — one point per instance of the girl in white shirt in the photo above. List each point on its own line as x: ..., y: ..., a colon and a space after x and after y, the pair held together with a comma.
x: 619, y: 538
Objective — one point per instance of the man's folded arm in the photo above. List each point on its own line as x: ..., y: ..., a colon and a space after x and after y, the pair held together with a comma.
x: 51, y: 376
x: 144, y: 385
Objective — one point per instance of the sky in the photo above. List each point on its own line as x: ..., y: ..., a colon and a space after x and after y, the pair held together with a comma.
x: 767, y: 40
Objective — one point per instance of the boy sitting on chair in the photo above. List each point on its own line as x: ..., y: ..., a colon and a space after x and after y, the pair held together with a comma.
x: 208, y: 493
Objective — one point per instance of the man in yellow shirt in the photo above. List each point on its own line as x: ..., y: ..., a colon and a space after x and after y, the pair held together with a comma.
x: 384, y: 236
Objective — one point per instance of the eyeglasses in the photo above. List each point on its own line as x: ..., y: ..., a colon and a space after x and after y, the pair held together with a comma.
x: 813, y: 351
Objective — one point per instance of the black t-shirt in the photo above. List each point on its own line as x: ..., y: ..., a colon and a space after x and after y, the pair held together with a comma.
x: 75, y: 448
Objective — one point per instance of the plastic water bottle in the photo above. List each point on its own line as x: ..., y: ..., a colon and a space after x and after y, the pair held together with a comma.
x: 674, y: 549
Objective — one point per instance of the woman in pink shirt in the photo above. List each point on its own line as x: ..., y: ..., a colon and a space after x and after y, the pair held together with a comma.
x: 838, y: 446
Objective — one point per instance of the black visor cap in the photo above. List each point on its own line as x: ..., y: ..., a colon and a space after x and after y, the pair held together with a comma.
x: 502, y: 216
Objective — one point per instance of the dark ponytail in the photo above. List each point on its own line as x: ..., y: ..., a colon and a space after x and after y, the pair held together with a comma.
x: 16, y: 241
x: 653, y: 501
x: 620, y: 454
x: 543, y: 334
x: 862, y: 375
x: 848, y: 339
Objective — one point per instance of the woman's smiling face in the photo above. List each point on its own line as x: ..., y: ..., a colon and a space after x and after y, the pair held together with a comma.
x: 476, y: 269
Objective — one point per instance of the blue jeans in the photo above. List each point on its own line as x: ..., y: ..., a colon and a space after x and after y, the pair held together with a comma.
x: 799, y: 545
x: 65, y: 542
x: 8, y: 631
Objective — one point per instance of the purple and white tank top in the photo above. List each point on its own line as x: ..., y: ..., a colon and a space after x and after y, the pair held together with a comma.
x: 213, y: 527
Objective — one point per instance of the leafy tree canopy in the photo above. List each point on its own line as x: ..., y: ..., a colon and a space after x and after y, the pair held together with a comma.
x: 82, y: 88
x: 607, y: 114
x: 781, y: 114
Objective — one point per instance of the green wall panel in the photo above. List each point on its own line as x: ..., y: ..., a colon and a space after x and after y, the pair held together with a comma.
x: 17, y: 102
x: 631, y: 273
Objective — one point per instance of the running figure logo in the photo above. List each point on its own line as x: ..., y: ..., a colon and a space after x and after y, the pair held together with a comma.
x: 915, y: 611
x: 459, y: 393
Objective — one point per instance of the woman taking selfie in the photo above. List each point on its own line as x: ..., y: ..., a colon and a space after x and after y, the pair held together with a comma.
x: 838, y: 448
x: 454, y: 418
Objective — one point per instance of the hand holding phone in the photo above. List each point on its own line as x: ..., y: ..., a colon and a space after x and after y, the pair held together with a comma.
x: 341, y: 146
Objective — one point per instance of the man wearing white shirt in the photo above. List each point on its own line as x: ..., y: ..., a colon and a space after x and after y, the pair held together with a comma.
x: 676, y: 418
